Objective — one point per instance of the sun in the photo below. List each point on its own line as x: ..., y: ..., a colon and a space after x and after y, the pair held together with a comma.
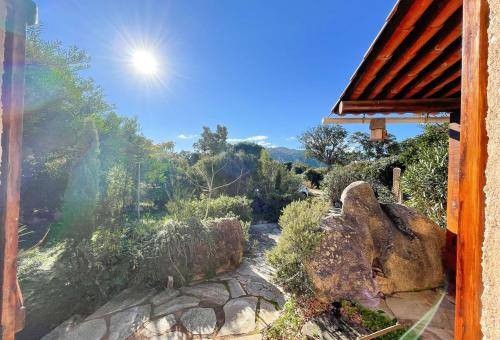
x: 145, y: 62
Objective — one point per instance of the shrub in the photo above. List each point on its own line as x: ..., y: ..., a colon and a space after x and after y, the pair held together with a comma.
x: 222, y: 206
x: 300, y: 234
x: 275, y: 188
x: 378, y: 173
x: 425, y: 182
x: 314, y: 176
x: 289, y: 323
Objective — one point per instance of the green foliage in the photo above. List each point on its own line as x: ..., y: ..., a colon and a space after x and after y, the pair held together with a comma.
x: 119, y: 195
x: 248, y: 148
x: 372, y: 321
x: 275, y: 186
x: 300, y: 223
x: 314, y: 176
x: 432, y: 135
x: 367, y: 149
x: 425, y: 183
x: 299, y: 167
x: 289, y: 323
x: 80, y: 199
x: 222, y: 206
x: 378, y: 173
x: 326, y: 143
x: 212, y: 142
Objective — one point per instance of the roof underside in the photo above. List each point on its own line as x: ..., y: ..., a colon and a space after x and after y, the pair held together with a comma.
x: 417, y: 55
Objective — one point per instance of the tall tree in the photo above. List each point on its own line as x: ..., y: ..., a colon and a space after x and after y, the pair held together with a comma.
x: 326, y: 143
x: 212, y: 142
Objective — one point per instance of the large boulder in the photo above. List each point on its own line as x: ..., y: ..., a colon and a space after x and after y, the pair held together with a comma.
x: 372, y: 248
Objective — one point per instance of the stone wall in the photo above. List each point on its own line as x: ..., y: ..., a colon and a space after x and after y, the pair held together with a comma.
x: 490, y: 317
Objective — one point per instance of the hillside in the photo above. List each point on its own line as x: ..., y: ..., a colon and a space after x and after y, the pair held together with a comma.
x: 283, y: 154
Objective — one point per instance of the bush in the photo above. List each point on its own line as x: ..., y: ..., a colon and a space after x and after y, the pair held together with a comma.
x: 314, y: 176
x: 289, y: 323
x: 222, y: 206
x: 378, y: 173
x: 425, y: 182
x: 300, y: 234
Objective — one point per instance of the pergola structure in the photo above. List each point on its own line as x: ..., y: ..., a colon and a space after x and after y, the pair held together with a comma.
x: 431, y: 57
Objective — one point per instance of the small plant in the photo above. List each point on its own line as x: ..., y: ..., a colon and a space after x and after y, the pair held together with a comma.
x: 289, y: 324
x: 369, y: 320
x: 300, y: 234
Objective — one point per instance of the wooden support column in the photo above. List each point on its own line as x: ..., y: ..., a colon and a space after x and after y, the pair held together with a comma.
x: 473, y: 142
x: 450, y: 254
x: 19, y: 14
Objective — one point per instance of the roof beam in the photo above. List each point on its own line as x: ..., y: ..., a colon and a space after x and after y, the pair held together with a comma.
x: 391, y: 120
x: 400, y: 106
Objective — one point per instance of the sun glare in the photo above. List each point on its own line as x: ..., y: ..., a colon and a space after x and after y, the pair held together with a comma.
x: 145, y: 62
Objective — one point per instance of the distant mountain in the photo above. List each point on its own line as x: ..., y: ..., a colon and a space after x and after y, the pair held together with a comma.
x: 283, y: 154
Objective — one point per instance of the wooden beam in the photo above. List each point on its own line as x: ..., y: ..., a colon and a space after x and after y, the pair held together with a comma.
x: 390, y: 120
x: 400, y: 23
x: 424, y: 38
x: 433, y: 63
x: 473, y: 156
x: 400, y: 106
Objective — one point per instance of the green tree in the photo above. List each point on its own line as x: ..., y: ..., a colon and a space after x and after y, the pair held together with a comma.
x: 326, y: 143
x: 212, y: 142
x: 368, y: 150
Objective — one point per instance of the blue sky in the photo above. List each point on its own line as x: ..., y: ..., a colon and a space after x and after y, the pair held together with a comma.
x: 267, y: 70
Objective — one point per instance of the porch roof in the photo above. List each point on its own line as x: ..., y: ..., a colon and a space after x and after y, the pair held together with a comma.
x: 413, y: 65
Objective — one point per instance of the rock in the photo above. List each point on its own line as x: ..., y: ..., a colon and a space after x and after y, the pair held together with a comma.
x: 239, y: 316
x: 229, y: 243
x: 63, y: 328
x: 260, y: 287
x: 267, y: 312
x: 164, y: 296
x: 235, y: 289
x: 159, y: 326
x: 414, y: 264
x: 210, y: 292
x: 402, y: 247
x: 93, y: 329
x: 126, y: 323
x: 178, y: 303
x: 127, y: 298
x: 199, y: 321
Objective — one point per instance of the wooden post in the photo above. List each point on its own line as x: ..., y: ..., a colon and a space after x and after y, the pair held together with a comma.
x: 19, y: 14
x: 473, y: 156
x: 396, y: 184
x: 450, y: 253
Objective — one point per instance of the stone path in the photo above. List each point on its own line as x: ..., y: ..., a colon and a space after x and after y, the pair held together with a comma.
x: 239, y: 304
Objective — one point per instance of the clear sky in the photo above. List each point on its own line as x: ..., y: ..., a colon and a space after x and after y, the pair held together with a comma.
x: 267, y: 69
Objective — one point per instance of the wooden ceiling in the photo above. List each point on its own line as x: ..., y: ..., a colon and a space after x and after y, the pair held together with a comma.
x: 416, y: 56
